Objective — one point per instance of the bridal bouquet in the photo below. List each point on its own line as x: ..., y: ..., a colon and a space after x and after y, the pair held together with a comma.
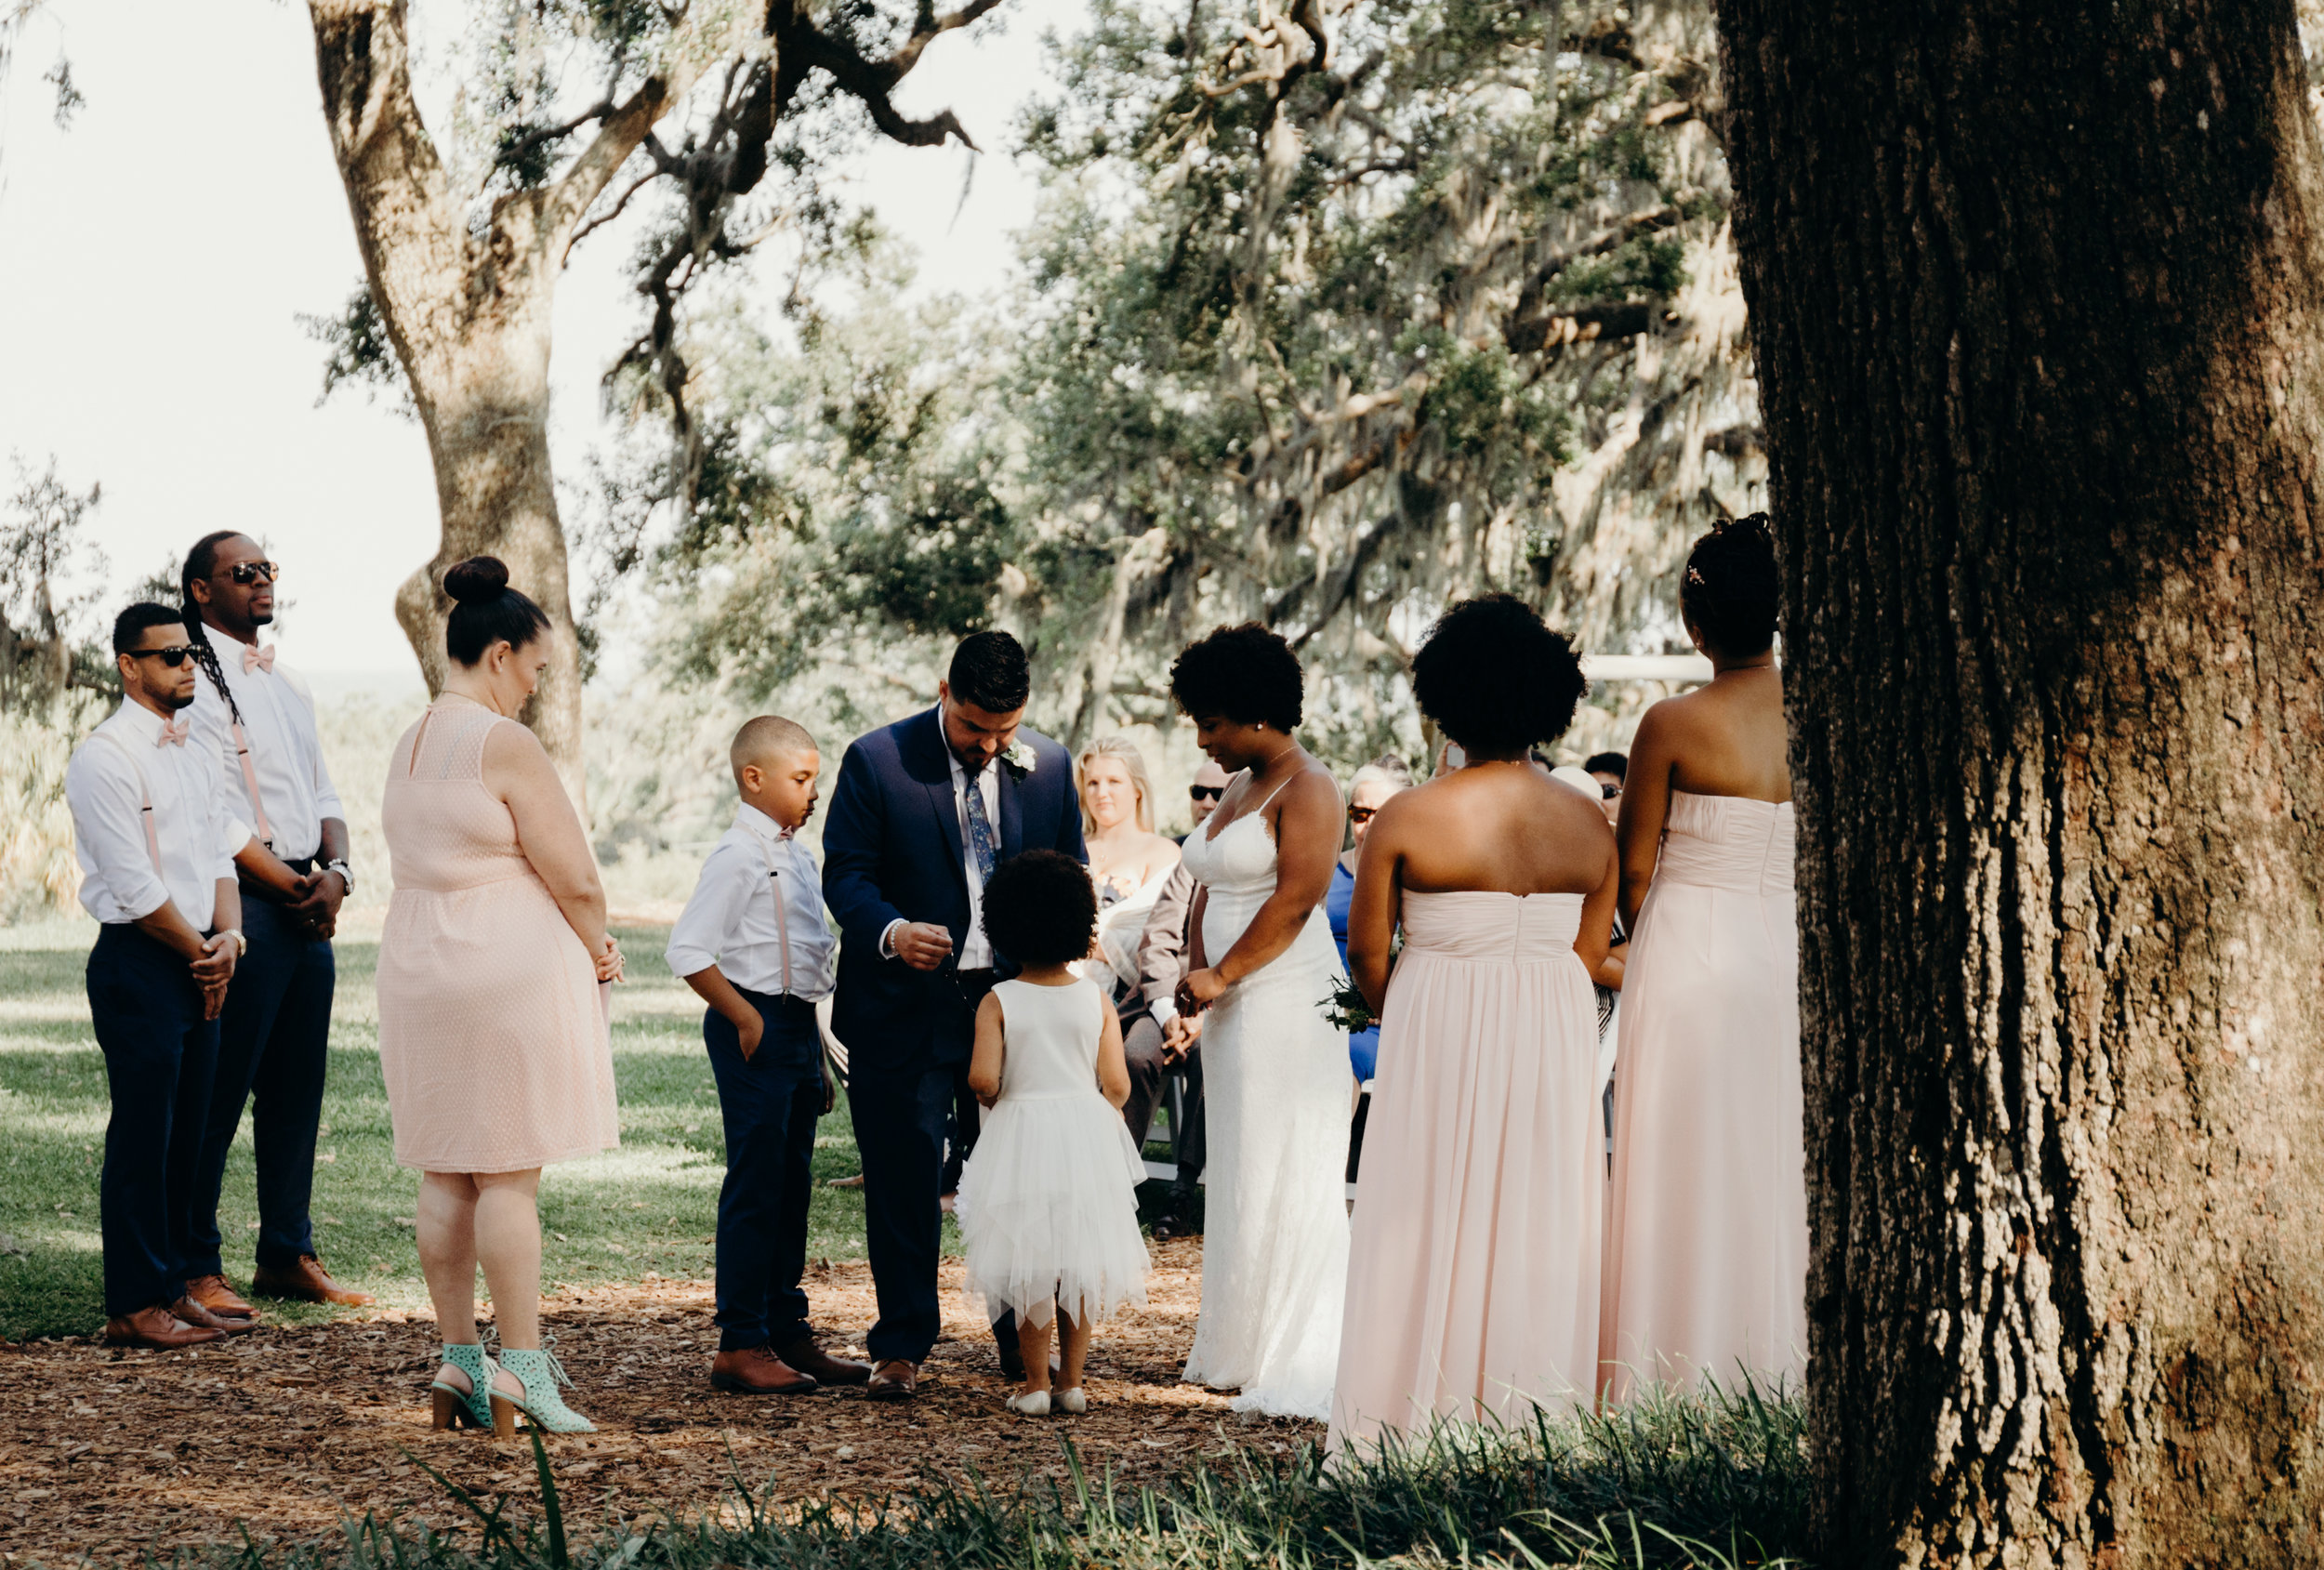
x: 1344, y: 1008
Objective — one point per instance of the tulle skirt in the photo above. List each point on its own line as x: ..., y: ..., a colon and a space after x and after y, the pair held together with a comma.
x: 1049, y: 1209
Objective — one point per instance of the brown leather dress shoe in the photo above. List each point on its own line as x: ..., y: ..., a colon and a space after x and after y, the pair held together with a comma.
x: 215, y: 1293
x: 195, y: 1313
x: 894, y: 1380
x: 807, y: 1358
x: 307, y: 1281
x: 158, y: 1329
x: 757, y: 1371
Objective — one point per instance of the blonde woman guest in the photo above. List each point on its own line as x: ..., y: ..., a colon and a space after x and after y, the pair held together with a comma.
x: 492, y: 1038
x: 1128, y: 861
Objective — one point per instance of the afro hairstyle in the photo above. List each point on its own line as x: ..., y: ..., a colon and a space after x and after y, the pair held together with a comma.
x: 1495, y: 679
x: 1246, y: 674
x: 1039, y: 908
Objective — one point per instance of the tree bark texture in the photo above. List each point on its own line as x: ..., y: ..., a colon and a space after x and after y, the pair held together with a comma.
x: 2035, y: 296
x: 469, y: 309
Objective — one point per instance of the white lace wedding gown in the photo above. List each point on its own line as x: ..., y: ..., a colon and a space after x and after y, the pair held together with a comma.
x: 1275, y: 1247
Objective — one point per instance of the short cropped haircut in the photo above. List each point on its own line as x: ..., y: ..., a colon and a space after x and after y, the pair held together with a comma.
x: 1613, y: 763
x: 1246, y: 674
x: 1039, y: 908
x: 766, y: 736
x: 132, y: 624
x: 1495, y: 679
x: 1730, y: 589
x: 989, y: 672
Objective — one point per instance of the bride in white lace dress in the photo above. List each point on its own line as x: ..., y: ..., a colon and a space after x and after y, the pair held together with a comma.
x: 1275, y: 1256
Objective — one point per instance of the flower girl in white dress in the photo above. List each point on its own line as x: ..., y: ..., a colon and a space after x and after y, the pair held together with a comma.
x: 1048, y: 1205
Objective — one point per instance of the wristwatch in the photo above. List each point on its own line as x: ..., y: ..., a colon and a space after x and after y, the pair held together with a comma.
x: 347, y: 878
x: 242, y: 944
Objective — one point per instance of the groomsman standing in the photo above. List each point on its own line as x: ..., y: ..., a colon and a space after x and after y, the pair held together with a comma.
x: 255, y: 718
x: 156, y: 840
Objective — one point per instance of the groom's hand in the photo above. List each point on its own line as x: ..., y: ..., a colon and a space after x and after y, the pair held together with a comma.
x: 923, y: 944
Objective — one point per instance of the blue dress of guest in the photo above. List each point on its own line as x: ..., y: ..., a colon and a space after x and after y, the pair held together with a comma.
x: 1363, y: 1045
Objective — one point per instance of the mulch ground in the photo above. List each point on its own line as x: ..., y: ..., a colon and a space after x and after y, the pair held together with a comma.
x: 288, y: 1433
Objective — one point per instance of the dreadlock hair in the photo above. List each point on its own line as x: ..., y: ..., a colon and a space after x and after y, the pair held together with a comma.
x: 200, y: 561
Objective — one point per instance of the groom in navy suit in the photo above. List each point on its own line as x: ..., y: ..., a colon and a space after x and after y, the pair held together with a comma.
x: 923, y: 811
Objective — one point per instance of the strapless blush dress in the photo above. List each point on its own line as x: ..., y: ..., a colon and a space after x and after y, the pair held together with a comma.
x: 1473, y: 1277
x: 1706, y: 1265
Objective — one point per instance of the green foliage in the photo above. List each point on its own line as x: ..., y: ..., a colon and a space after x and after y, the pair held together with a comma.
x: 1711, y: 1482
x: 1309, y: 331
x: 360, y: 352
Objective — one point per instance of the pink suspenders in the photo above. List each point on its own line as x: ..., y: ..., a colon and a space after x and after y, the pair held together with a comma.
x: 250, y: 780
x: 145, y: 803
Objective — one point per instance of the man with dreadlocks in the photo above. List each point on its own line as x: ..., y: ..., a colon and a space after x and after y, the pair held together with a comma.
x: 258, y: 718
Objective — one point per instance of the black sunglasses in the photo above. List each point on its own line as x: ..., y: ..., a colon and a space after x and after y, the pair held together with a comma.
x: 173, y: 656
x: 249, y: 572
x: 1608, y: 792
x: 1207, y: 793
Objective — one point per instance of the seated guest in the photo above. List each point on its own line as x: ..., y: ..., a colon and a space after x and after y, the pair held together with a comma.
x: 1158, y: 1040
x: 1128, y: 861
x: 1368, y: 792
x: 155, y: 836
x: 1609, y: 769
x: 754, y: 944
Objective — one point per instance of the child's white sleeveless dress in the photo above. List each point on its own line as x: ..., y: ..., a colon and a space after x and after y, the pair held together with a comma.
x: 1048, y: 1205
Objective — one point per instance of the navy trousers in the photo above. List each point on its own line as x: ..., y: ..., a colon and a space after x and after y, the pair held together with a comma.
x: 769, y: 1106
x: 273, y: 1048
x: 160, y: 1057
x: 902, y: 1118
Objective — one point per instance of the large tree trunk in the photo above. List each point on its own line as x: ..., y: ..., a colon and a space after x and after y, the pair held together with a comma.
x: 2034, y: 296
x: 469, y: 309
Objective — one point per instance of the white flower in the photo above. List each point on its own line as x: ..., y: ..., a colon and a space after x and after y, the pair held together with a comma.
x: 1020, y: 758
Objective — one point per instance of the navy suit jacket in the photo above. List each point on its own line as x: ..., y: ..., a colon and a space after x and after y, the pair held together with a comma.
x: 891, y: 850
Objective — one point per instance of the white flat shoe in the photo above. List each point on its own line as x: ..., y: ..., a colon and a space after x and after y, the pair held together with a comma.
x: 1073, y: 1401
x: 1034, y: 1404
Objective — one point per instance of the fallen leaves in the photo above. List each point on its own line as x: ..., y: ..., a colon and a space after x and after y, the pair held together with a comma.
x: 286, y: 1428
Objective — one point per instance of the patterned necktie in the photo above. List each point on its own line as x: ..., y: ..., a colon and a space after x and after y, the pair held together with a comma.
x: 980, y: 828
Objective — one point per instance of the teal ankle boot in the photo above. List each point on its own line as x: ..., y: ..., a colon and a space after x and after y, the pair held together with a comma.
x: 540, y: 1372
x: 470, y: 1407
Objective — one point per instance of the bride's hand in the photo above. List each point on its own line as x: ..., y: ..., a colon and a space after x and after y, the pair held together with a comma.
x: 1199, y: 990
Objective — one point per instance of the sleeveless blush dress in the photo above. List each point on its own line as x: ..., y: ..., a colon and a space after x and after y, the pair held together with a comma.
x: 1706, y: 1259
x: 492, y: 1039
x: 1473, y: 1277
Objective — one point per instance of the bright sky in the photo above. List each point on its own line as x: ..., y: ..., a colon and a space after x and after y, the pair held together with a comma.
x: 154, y: 258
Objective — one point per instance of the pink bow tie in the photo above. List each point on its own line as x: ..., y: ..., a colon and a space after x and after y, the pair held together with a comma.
x: 258, y: 659
x: 173, y: 733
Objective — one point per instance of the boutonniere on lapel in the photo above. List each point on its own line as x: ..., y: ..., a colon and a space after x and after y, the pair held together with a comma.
x: 1019, y: 759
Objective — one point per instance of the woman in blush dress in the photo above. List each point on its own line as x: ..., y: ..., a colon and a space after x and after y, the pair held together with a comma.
x: 1274, y: 1254
x: 491, y: 1036
x: 1706, y: 1272
x: 1472, y: 1280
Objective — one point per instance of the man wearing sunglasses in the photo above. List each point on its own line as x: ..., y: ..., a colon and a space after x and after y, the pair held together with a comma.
x: 257, y: 719
x: 155, y: 836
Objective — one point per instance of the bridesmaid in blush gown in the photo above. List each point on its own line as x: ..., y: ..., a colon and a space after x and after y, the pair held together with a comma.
x: 1706, y: 1273
x: 1473, y: 1277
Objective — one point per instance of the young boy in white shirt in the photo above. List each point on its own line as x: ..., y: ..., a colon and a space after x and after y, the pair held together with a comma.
x: 754, y: 944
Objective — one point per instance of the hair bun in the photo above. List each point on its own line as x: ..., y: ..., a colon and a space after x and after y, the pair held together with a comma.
x: 479, y: 577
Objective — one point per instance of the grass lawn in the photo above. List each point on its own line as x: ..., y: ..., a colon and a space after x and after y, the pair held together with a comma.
x: 648, y: 1207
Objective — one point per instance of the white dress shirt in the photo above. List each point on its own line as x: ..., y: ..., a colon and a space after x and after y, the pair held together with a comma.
x: 121, y: 765
x: 976, y: 949
x: 759, y: 885
x: 277, y: 715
